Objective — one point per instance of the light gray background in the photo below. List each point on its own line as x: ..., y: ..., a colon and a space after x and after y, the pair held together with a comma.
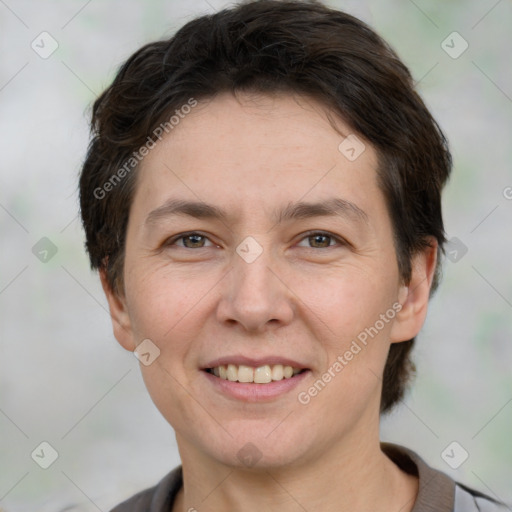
x: 65, y: 380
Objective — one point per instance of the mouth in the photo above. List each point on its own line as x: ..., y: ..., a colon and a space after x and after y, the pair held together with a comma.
x: 263, y: 379
x: 263, y: 374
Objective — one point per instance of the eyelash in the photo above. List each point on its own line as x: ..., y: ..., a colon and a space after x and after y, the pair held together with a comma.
x: 310, y: 234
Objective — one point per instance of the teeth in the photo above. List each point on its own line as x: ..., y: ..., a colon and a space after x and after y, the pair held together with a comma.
x: 277, y: 372
x: 232, y: 372
x: 245, y: 374
x: 261, y: 375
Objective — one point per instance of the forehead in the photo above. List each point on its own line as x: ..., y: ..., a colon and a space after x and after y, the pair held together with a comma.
x: 256, y: 151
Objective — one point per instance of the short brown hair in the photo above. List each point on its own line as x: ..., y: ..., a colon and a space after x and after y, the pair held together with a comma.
x: 271, y: 46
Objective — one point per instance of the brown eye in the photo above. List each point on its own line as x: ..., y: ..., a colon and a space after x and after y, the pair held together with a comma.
x: 190, y: 241
x: 321, y: 240
x: 195, y: 241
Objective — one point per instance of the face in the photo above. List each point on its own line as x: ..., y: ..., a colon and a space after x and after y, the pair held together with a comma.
x: 285, y: 259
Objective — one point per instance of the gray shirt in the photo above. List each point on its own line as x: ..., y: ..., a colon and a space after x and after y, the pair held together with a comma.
x: 437, y: 491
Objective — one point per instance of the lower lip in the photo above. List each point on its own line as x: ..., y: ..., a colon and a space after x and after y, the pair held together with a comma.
x: 252, y: 392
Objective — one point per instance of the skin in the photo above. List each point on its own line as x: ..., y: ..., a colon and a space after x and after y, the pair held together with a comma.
x: 303, y: 298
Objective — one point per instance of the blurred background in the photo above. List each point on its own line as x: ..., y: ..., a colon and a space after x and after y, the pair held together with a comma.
x: 65, y: 381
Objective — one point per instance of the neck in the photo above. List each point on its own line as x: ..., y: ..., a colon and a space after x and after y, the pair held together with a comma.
x: 351, y: 476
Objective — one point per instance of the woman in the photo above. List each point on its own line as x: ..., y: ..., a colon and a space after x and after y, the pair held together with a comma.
x: 262, y: 199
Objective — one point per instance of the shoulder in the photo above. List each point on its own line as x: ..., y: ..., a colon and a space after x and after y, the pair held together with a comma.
x: 469, y: 500
x: 437, y: 491
x: 159, y: 498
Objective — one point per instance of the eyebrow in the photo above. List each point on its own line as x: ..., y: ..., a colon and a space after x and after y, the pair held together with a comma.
x: 333, y: 206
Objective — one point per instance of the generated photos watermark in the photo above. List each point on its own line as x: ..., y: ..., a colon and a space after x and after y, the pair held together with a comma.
x: 138, y: 156
x: 341, y: 361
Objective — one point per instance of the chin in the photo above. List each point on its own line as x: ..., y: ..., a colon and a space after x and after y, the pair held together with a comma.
x: 257, y: 450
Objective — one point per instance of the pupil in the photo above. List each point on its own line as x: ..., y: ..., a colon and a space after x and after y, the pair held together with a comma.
x: 194, y: 239
x: 318, y: 238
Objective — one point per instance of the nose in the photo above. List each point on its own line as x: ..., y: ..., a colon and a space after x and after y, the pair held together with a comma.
x: 255, y: 294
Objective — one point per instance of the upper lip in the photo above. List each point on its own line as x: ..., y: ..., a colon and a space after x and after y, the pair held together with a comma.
x: 253, y: 362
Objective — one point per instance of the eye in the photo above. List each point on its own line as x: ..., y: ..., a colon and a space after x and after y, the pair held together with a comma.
x: 195, y: 240
x: 322, y: 239
x: 192, y: 240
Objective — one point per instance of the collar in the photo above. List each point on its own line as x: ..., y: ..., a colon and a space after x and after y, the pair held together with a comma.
x: 436, y: 490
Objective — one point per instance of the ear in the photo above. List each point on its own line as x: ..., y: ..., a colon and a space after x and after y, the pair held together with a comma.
x: 119, y: 315
x: 414, y: 296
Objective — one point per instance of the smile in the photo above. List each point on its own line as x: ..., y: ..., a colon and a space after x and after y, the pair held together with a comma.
x: 258, y: 375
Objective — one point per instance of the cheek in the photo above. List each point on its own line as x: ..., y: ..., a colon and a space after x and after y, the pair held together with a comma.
x: 162, y: 303
x: 355, y: 337
x: 170, y: 392
x: 347, y: 302
x: 165, y: 309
